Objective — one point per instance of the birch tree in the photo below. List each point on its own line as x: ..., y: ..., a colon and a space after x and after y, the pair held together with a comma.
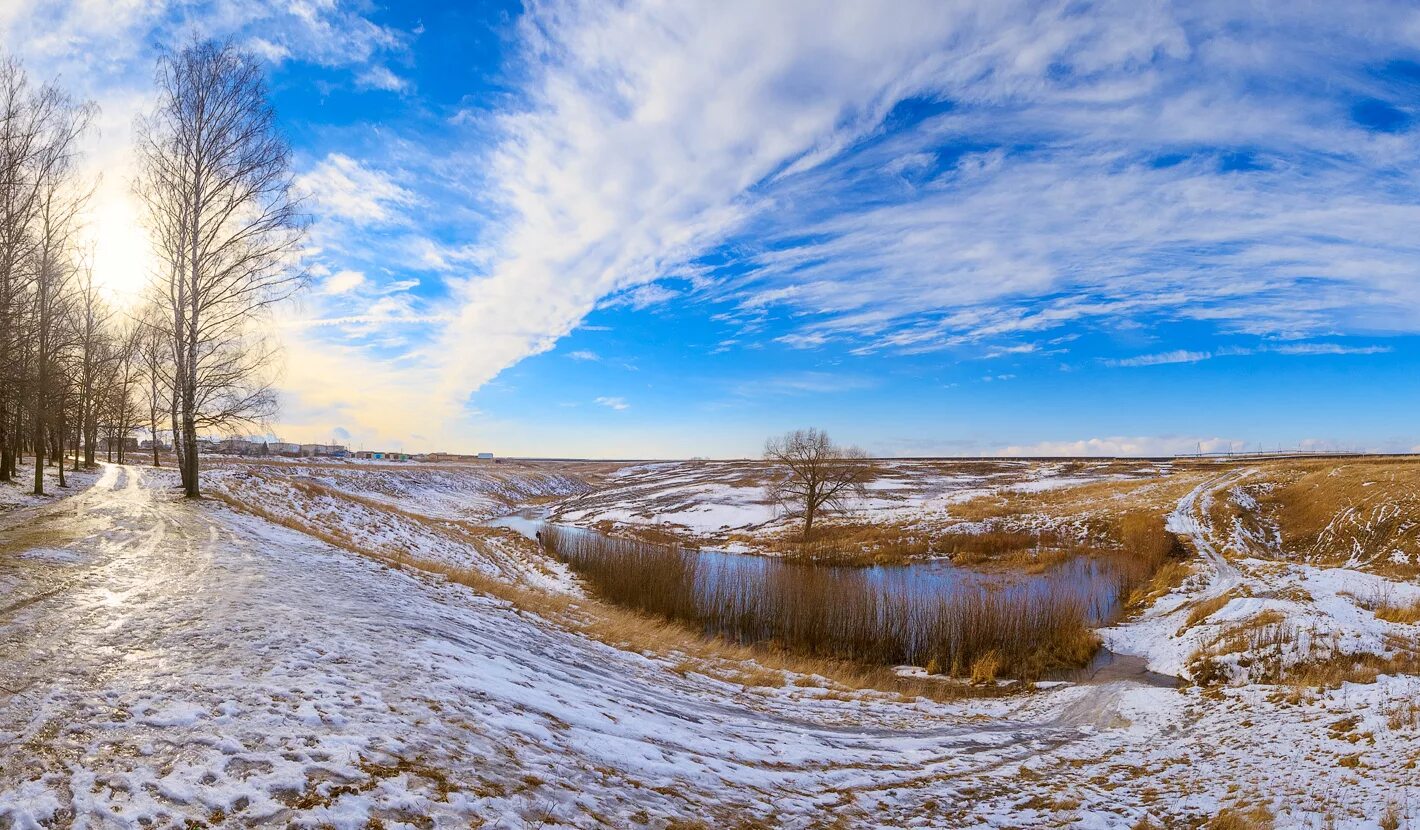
x: 216, y: 180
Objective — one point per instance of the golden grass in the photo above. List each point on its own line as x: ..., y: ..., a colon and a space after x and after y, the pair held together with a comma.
x: 1256, y: 817
x: 1100, y: 503
x: 1205, y: 608
x: 985, y: 667
x: 1331, y: 672
x: 1267, y: 639
x: 1401, y: 613
x: 1355, y: 512
x: 1168, y: 577
x: 836, y: 612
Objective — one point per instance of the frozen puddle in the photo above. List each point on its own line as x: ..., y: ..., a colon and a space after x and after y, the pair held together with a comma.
x: 55, y: 556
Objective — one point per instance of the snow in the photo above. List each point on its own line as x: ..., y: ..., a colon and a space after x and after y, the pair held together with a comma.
x: 724, y: 504
x: 190, y: 659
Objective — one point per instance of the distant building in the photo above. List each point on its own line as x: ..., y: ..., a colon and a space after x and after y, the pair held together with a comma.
x: 375, y: 455
x: 147, y: 444
x: 235, y: 446
x: 130, y: 444
x: 323, y: 451
x: 453, y: 456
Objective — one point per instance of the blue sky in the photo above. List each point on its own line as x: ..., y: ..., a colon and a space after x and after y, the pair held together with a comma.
x: 651, y: 230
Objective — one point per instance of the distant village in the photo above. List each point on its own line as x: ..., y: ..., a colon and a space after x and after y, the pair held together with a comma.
x: 282, y: 449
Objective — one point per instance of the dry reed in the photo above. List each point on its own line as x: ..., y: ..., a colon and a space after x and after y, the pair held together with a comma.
x: 837, y: 613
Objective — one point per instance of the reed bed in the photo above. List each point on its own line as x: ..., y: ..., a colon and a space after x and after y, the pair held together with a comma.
x: 974, y: 630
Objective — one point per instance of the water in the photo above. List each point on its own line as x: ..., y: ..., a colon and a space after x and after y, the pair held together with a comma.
x: 728, y: 580
x: 1084, y: 579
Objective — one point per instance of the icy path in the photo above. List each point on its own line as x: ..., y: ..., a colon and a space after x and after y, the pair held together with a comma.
x: 163, y: 661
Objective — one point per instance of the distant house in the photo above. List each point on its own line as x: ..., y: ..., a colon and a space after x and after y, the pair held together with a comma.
x: 283, y: 448
x: 147, y: 444
x: 322, y: 451
x: 376, y: 455
x: 485, y: 456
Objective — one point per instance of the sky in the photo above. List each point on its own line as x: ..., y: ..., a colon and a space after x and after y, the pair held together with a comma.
x: 649, y: 229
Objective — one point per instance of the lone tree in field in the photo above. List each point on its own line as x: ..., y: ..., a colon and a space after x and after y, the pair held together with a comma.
x: 818, y: 476
x: 216, y: 178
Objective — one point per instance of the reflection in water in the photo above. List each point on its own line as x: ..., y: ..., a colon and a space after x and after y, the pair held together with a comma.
x: 1095, y: 586
x: 931, y: 613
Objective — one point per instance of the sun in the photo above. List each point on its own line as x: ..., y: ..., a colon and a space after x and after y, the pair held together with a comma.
x: 121, y: 249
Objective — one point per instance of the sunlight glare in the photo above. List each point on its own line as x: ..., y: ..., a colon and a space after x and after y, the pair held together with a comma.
x: 122, y: 254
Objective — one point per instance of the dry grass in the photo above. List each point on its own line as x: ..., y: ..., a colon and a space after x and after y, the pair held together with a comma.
x: 837, y: 613
x: 1168, y: 577
x: 1102, y: 503
x: 1256, y: 817
x: 1268, y: 643
x: 1205, y: 608
x: 1330, y: 672
x: 1402, y: 613
x: 1351, y: 512
x: 1391, y: 818
x: 856, y: 544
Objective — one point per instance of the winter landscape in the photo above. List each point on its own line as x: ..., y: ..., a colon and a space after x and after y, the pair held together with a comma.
x: 686, y: 416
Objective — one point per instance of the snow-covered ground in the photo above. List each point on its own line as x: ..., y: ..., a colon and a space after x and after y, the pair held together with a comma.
x: 1269, y: 612
x: 165, y: 663
x: 724, y: 503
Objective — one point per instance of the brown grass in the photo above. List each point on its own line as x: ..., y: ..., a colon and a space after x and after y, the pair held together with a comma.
x: 1266, y: 641
x: 1256, y: 817
x: 1401, y: 613
x: 1205, y: 608
x: 1356, y: 511
x: 836, y: 613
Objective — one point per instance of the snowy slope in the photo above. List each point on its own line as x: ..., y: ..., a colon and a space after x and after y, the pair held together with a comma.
x: 183, y: 663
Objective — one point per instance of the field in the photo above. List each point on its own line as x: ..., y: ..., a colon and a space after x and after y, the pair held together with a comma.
x: 355, y: 645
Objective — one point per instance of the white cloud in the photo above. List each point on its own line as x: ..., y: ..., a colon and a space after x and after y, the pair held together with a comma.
x: 380, y: 77
x: 1176, y: 356
x: 584, y: 354
x: 342, y: 188
x: 802, y: 383
x: 1154, y: 446
x: 646, y: 130
x: 342, y: 282
x: 643, y: 296
x: 653, y: 133
x: 613, y: 403
x: 1329, y: 348
x: 1292, y: 349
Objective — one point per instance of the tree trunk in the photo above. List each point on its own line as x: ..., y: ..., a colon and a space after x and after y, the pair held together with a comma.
x: 189, y: 432
x: 39, y: 442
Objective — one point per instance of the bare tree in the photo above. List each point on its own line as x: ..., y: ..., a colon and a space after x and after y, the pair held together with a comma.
x: 217, y: 183
x: 91, y: 324
x: 31, y: 118
x: 56, y: 212
x: 156, y: 371
x: 816, y: 474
